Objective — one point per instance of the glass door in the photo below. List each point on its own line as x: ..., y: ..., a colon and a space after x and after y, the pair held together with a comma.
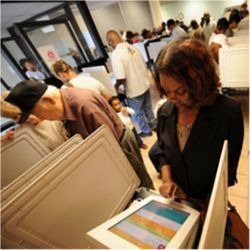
x: 53, y: 40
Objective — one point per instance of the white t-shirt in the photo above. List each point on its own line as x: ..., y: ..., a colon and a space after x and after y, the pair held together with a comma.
x: 220, y: 39
x: 178, y: 33
x: 125, y: 117
x: 88, y: 82
x: 128, y: 63
x: 52, y: 133
x: 208, y: 29
x: 38, y: 75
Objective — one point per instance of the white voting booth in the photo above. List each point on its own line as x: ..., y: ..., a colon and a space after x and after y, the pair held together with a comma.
x: 85, y: 186
x: 158, y: 223
x: 62, y: 200
x: 20, y: 154
x: 213, y: 231
x: 234, y: 65
x: 17, y: 185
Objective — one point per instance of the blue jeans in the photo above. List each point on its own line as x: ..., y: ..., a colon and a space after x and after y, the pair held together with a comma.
x: 144, y: 115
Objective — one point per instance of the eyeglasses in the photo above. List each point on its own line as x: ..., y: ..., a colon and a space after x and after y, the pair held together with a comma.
x: 179, y: 91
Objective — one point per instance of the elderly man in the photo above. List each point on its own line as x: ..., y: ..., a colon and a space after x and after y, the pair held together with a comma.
x: 82, y: 110
x: 130, y: 70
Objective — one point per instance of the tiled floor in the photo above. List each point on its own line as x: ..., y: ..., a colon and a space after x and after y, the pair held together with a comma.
x: 238, y: 194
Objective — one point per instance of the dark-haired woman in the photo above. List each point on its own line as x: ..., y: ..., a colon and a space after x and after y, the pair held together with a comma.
x: 194, y: 122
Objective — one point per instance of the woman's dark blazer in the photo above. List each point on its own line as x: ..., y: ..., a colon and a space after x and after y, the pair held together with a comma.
x: 194, y: 169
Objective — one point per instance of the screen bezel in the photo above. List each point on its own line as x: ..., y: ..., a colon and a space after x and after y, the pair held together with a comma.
x: 105, y: 237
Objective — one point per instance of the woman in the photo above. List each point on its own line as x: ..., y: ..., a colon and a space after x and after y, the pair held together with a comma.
x: 194, y: 122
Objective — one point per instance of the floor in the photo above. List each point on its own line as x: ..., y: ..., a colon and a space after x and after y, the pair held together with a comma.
x: 238, y: 194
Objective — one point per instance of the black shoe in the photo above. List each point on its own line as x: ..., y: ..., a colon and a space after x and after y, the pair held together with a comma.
x: 146, y: 134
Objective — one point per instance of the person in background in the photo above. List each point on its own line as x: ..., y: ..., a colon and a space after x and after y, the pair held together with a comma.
x: 208, y: 27
x: 70, y: 78
x: 219, y: 36
x: 196, y: 30
x: 125, y: 114
x: 244, y: 11
x: 176, y: 31
x: 219, y: 39
x: 234, y: 20
x: 162, y: 30
x: 76, y: 56
x: 52, y: 133
x: 194, y: 117
x: 131, y: 38
x: 130, y: 71
x: 83, y: 111
x: 31, y: 71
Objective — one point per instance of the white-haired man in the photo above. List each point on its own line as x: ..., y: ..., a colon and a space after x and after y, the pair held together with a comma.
x: 82, y: 110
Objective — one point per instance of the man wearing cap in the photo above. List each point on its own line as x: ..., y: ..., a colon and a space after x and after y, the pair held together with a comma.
x: 82, y: 110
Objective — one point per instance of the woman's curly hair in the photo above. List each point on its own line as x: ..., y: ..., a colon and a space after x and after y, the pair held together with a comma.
x: 189, y: 62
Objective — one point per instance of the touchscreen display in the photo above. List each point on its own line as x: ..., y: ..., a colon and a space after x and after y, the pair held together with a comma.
x: 151, y: 226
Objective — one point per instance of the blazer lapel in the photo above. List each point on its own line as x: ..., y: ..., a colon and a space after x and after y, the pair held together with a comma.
x: 205, y: 122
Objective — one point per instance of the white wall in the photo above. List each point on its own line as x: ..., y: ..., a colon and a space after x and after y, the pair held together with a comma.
x: 195, y: 9
x: 125, y: 15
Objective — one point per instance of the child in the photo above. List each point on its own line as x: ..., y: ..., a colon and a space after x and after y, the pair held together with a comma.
x: 124, y: 113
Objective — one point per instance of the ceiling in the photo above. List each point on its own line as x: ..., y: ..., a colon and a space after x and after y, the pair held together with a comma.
x: 18, y: 12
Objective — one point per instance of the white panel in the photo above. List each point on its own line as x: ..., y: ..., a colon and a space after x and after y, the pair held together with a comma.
x: 234, y: 65
x: 105, y: 21
x: 213, y: 231
x: 136, y: 15
x: 238, y: 40
x: 141, y: 48
x: 36, y: 170
x: 20, y: 154
x: 154, y: 49
x: 100, y: 73
x: 83, y: 189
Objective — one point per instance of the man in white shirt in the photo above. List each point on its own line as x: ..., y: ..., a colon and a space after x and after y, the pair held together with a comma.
x: 220, y: 36
x: 130, y: 70
x: 208, y: 27
x: 176, y: 31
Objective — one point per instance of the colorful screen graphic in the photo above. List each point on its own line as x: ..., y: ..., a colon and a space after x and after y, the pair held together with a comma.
x: 152, y: 226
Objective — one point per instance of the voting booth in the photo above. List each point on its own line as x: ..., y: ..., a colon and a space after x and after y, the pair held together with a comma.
x: 85, y: 194
x: 35, y: 170
x: 19, y: 154
x: 86, y: 186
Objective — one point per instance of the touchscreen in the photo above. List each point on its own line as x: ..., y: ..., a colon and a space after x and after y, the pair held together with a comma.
x: 151, y: 226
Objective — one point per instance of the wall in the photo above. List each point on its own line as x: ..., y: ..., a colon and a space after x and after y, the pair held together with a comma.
x: 125, y: 15
x: 195, y: 9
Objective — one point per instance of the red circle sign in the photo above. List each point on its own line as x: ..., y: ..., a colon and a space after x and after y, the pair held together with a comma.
x: 51, y: 54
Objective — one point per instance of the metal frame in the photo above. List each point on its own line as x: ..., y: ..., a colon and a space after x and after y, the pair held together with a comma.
x: 78, y: 32
x: 85, y: 13
x: 9, y: 55
x: 17, y: 32
x: 5, y: 84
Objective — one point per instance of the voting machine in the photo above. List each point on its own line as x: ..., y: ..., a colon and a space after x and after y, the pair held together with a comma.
x: 62, y: 200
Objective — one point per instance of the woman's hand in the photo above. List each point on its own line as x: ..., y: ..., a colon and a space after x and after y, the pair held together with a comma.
x: 168, y: 188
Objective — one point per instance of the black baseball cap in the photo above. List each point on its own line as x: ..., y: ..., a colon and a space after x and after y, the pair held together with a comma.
x: 25, y: 95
